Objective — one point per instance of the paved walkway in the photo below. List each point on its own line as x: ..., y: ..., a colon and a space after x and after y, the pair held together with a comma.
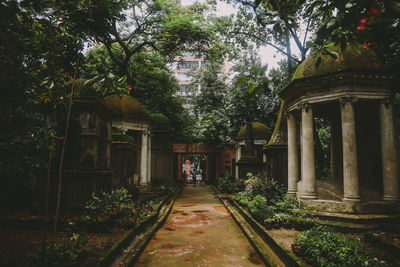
x: 199, y: 232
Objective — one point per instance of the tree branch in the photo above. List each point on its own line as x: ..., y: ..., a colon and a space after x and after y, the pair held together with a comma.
x: 267, y: 43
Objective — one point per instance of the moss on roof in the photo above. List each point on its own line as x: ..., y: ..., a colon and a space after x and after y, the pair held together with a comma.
x: 161, y: 122
x: 355, y: 56
x: 260, y: 131
x: 276, y: 137
x: 126, y: 106
x: 159, y: 118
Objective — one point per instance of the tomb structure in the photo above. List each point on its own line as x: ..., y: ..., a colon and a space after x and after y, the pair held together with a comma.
x: 348, y: 89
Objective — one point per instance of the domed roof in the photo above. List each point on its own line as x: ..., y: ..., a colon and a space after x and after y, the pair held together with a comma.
x: 355, y: 56
x: 260, y: 131
x: 160, y: 121
x: 159, y: 118
x: 126, y: 106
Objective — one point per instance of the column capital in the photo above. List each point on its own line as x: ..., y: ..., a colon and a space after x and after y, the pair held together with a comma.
x: 287, y: 114
x: 346, y: 99
x: 386, y: 101
x: 304, y: 106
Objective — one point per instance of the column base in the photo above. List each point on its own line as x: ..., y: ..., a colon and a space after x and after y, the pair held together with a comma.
x: 351, y: 198
x: 308, y: 196
x: 388, y: 198
x: 144, y: 187
x: 291, y: 192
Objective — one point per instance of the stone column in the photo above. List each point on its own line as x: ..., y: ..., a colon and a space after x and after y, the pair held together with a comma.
x: 149, y: 159
x: 389, y: 154
x: 308, y: 158
x: 238, y: 155
x: 143, y: 159
x: 293, y: 160
x: 350, y: 165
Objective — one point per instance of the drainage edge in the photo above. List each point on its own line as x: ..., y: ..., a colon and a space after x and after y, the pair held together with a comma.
x: 131, y: 260
x: 257, y: 239
x: 112, y: 254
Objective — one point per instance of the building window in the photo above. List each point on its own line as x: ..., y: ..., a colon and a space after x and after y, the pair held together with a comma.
x: 182, y: 76
x: 184, y: 65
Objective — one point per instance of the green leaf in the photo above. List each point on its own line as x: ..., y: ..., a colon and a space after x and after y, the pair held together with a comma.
x: 251, y: 88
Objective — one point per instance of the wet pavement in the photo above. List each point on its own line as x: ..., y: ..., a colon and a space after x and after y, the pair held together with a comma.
x: 199, y: 232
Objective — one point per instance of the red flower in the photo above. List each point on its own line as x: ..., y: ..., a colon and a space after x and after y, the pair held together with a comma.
x: 130, y: 88
x: 67, y: 73
x: 11, y: 116
x: 365, y: 44
x: 369, y: 44
x: 62, y: 16
x: 363, y: 22
x: 70, y: 82
x: 360, y: 28
x: 374, y: 10
x: 61, y: 137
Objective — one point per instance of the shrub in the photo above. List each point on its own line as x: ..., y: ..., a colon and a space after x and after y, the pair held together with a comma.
x: 107, y: 204
x: 240, y: 184
x: 165, y: 189
x: 267, y: 187
x: 66, y: 251
x: 320, y: 246
x: 259, y: 208
x: 226, y: 183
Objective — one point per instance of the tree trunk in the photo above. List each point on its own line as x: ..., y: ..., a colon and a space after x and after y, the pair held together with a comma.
x: 289, y: 54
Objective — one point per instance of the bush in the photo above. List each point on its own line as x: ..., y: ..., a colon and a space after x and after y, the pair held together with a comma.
x: 320, y: 246
x: 267, y: 187
x: 64, y: 252
x: 259, y: 208
x: 165, y: 189
x: 226, y: 183
x: 99, y: 208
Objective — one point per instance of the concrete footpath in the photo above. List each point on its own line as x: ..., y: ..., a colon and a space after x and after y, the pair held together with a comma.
x: 199, y: 232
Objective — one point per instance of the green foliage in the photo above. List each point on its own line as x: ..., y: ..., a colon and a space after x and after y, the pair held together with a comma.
x: 37, y: 49
x: 153, y: 84
x: 267, y: 187
x: 99, y: 208
x: 165, y: 189
x: 210, y: 104
x: 324, y: 247
x: 261, y: 104
x: 134, y: 26
x: 270, y: 23
x: 259, y: 208
x: 370, y: 22
x: 289, y: 214
x: 66, y: 251
x: 323, y: 148
x: 226, y: 183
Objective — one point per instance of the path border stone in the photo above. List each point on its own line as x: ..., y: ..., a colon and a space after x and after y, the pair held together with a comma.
x: 143, y: 228
x: 263, y: 243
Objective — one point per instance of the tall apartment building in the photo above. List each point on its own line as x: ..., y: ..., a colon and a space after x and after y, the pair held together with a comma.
x: 182, y: 69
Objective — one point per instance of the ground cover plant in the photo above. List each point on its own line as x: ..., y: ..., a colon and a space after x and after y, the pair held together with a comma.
x: 321, y: 246
x: 84, y: 239
x: 267, y: 202
x: 226, y: 183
